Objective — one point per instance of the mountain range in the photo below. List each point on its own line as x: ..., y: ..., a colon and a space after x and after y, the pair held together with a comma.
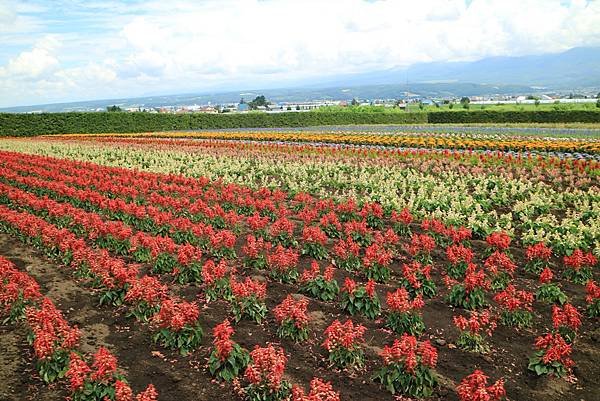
x: 572, y: 70
x: 575, y: 68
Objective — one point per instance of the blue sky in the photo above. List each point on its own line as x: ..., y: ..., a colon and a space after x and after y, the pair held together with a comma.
x: 66, y: 50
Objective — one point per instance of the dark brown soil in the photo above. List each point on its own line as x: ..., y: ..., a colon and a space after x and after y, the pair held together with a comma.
x: 185, y: 378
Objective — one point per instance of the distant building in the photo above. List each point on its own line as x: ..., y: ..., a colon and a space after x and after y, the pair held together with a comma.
x: 208, y: 110
x: 307, y: 106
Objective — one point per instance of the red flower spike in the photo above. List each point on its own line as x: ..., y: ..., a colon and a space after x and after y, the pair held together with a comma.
x: 346, y: 335
x: 267, y: 366
x: 222, y: 339
x: 474, y: 388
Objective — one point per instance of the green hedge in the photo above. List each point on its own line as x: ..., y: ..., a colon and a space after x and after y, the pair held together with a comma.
x: 68, y: 123
x: 71, y: 123
x: 516, y: 116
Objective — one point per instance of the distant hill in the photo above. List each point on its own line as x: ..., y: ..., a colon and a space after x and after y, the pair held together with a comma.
x: 383, y: 91
x: 573, y: 69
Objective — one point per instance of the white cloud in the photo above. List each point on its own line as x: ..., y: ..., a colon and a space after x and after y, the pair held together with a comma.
x: 35, y: 63
x: 179, y: 45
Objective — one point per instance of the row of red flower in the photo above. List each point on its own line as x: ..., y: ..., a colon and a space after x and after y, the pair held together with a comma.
x: 492, y: 158
x: 205, y: 200
x: 375, y: 261
x: 474, y: 280
x: 498, y: 264
x: 460, y: 255
x: 176, y: 321
x: 497, y: 241
x: 55, y: 342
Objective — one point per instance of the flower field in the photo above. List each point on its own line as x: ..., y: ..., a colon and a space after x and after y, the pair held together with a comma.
x: 479, y: 140
x: 267, y: 266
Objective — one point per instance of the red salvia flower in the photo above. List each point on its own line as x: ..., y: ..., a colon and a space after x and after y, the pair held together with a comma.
x: 283, y: 259
x: 498, y: 262
x: 370, y: 288
x: 420, y: 243
x: 459, y: 234
x: 122, y: 391
x: 267, y: 366
x: 320, y: 390
x: 78, y: 371
x: 578, y: 259
x: 292, y: 309
x: 248, y: 288
x: 555, y: 348
x: 538, y: 251
x: 513, y: 299
x: 346, y: 335
x: 377, y: 254
x: 459, y: 253
x: 256, y: 222
x: 314, y: 234
x: 409, y: 352
x: 477, y: 322
x: 150, y: 394
x: 403, y: 217
x: 50, y: 330
x: 328, y: 273
x: 592, y: 291
x: 105, y: 364
x: 546, y: 275
x: 344, y: 249
x: 389, y: 237
x: 175, y: 314
x: 212, y: 271
x: 148, y: 289
x: 399, y: 301
x: 412, y: 271
x: 567, y: 316
x: 474, y: 279
x: 307, y: 215
x: 349, y: 285
x: 474, y: 388
x: 498, y: 240
x: 282, y: 226
x: 187, y: 254
x: 330, y: 219
x: 254, y: 247
x: 222, y: 339
x: 310, y: 274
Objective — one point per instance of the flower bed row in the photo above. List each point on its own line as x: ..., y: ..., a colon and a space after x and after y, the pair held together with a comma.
x: 55, y: 343
x: 500, y: 243
x: 536, y: 209
x: 175, y: 321
x: 398, y: 139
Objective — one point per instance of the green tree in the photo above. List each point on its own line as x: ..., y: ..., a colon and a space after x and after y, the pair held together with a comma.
x: 114, y: 108
x: 598, y: 103
x: 464, y: 100
x: 354, y: 102
x: 257, y: 102
x: 537, y: 102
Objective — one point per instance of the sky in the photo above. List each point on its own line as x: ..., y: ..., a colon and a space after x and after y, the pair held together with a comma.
x: 71, y: 50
